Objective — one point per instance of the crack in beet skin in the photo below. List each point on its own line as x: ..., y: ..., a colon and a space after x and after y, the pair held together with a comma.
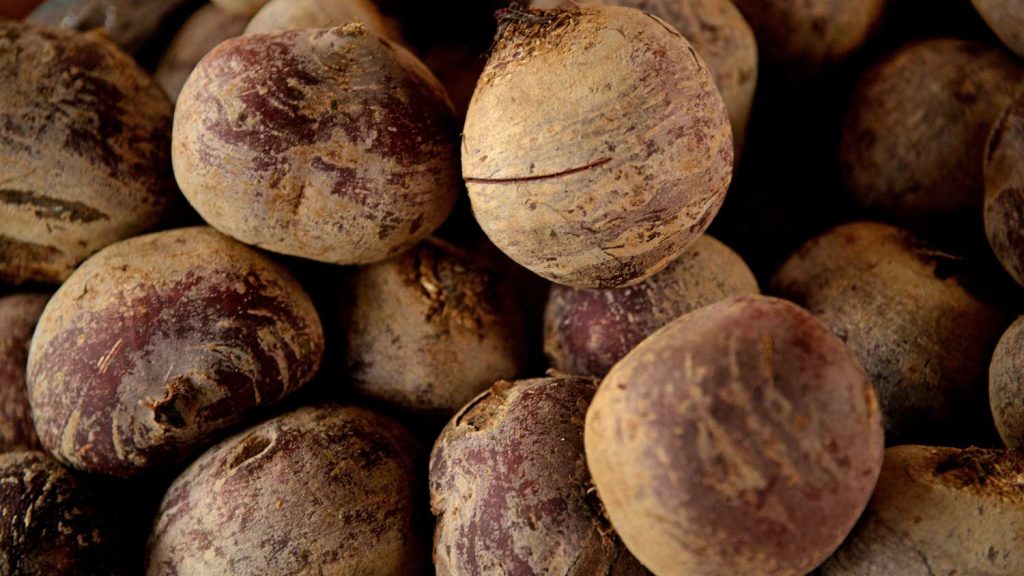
x: 593, y: 164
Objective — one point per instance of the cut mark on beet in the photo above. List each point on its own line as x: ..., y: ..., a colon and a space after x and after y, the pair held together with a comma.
x: 568, y: 172
x: 251, y: 448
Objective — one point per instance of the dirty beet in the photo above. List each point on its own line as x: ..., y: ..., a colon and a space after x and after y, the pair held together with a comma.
x: 599, y: 186
x: 158, y: 343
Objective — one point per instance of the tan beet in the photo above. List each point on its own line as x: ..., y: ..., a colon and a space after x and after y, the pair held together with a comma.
x: 717, y: 31
x: 157, y: 344
x: 510, y: 488
x: 939, y: 511
x: 202, y: 32
x: 1004, y: 189
x: 603, y: 185
x: 1006, y: 386
x: 241, y: 7
x: 18, y: 316
x: 588, y: 331
x: 84, y: 150
x: 431, y: 329
x: 326, y: 490
x: 48, y: 524
x: 810, y: 34
x: 719, y: 441
x: 1006, y: 19
x: 279, y: 15
x: 905, y: 311
x: 914, y: 139
x: 334, y: 145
